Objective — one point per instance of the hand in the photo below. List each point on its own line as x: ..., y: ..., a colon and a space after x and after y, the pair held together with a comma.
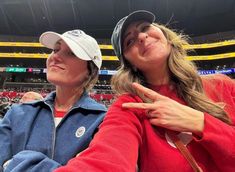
x: 168, y: 113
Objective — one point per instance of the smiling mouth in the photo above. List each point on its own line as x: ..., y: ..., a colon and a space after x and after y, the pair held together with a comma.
x: 148, y: 47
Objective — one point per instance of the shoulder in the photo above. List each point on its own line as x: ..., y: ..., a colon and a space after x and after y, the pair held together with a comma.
x: 17, y: 112
x: 20, y: 107
x: 86, y: 102
x: 126, y: 98
x: 219, y: 87
x: 26, y: 107
x: 218, y: 80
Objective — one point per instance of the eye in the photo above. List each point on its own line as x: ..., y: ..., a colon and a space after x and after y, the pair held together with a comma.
x: 145, y: 28
x: 129, y: 42
x: 70, y: 53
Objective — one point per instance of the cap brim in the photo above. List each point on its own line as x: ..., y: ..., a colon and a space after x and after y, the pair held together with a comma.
x: 49, y: 39
x: 136, y: 16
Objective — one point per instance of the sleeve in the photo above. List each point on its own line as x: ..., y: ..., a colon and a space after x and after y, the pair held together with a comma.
x: 115, y: 146
x: 24, y: 160
x: 30, y: 161
x: 218, y: 140
x: 218, y: 137
x: 5, y: 139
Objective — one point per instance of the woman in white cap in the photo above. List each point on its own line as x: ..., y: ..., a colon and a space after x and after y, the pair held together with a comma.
x: 44, y: 134
x: 179, y: 121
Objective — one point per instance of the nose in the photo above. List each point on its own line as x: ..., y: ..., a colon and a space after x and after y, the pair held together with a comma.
x: 56, y: 56
x: 142, y: 37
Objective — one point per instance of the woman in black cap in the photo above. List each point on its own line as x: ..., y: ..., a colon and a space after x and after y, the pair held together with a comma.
x: 167, y: 117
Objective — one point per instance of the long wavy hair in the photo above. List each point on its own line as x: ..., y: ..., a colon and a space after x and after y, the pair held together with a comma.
x: 183, y: 73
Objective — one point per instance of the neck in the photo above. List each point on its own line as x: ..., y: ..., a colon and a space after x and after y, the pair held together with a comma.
x: 158, y: 76
x: 66, y: 98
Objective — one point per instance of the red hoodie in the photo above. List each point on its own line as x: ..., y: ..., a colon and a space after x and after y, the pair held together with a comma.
x: 126, y: 137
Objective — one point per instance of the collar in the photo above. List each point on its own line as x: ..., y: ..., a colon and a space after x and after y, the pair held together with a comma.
x: 85, y: 102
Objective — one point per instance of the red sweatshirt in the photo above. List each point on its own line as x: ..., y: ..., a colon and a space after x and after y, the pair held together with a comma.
x: 126, y: 138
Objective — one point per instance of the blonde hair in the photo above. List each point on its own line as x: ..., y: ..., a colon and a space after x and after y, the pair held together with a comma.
x: 92, y: 77
x: 183, y: 73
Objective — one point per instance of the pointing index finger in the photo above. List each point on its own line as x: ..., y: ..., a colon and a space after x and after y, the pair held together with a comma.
x: 146, y: 106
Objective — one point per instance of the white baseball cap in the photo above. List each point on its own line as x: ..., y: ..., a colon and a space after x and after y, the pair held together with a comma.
x: 82, y: 45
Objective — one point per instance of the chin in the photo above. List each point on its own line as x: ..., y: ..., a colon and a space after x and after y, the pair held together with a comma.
x: 54, y: 80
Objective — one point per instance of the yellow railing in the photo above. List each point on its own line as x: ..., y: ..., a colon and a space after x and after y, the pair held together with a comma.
x: 114, y: 58
x: 38, y: 55
x: 102, y: 46
x: 211, y: 45
x: 211, y: 57
x: 36, y: 44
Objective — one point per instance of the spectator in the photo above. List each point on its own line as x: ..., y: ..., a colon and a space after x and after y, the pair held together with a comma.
x: 30, y: 96
x: 3, y: 109
x: 45, y: 134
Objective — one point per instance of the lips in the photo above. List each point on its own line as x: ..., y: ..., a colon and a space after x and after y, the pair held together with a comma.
x: 148, y: 47
x: 56, y: 67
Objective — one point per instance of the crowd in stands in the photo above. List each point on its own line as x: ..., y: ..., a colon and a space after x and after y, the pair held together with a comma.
x: 101, y: 93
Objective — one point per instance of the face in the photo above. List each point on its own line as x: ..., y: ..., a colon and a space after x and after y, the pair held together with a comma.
x: 64, y: 68
x: 145, y: 46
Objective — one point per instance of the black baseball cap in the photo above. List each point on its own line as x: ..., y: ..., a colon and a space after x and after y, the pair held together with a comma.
x: 122, y: 25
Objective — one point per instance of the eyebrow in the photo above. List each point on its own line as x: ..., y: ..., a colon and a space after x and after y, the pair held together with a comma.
x: 136, y: 26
